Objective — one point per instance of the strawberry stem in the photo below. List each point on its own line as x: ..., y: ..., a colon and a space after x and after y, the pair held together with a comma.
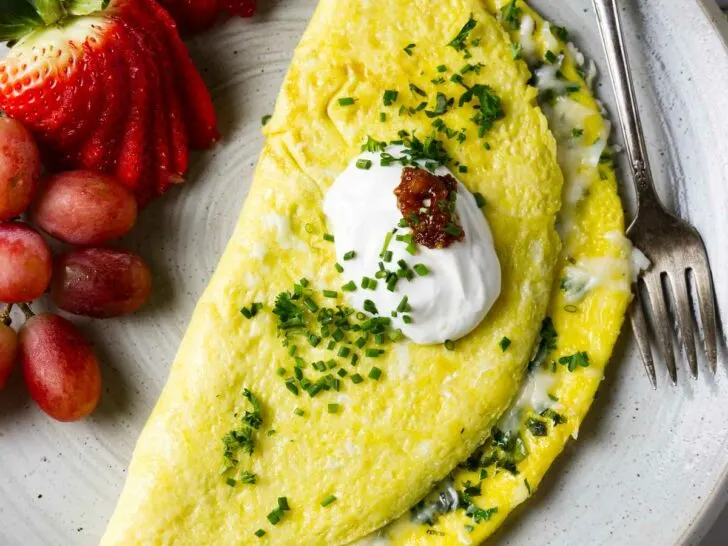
x: 27, y: 311
x: 5, y: 314
x: 49, y: 10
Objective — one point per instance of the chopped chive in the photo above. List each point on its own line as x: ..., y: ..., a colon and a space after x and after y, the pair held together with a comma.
x: 463, y: 168
x: 264, y: 121
x: 343, y: 352
x: 281, y: 371
x: 328, y: 500
x: 341, y: 372
x: 449, y: 345
x: 390, y: 97
x: 349, y: 287
x: 374, y: 353
x: 387, y: 256
x: 350, y: 255
x: 417, y: 90
x: 304, y: 281
x: 283, y: 503
x: 356, y: 378
x: 452, y: 229
x: 364, y: 164
x: 308, y: 302
x: 328, y: 237
x: 292, y: 350
x: 338, y: 334
x: 392, y: 284
x: 314, y: 340
x: 333, y: 408
x: 479, y: 199
x: 247, y: 477
x: 298, y: 373
x: 346, y: 101
x: 382, y: 117
x: 370, y: 307
x: 275, y: 516
x: 404, y: 305
x: 409, y: 48
x: 504, y: 343
x: 395, y: 335
x: 260, y: 533
x: 407, y: 319
x: 299, y: 412
x: 330, y: 294
x: 231, y: 482
x: 354, y: 359
x: 375, y: 373
x: 379, y: 339
x: 421, y: 269
x: 442, y: 68
x: 330, y: 346
x: 411, y: 249
x: 360, y: 342
x: 291, y: 386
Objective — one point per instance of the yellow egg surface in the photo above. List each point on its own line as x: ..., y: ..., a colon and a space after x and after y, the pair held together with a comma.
x: 330, y: 468
x: 587, y: 308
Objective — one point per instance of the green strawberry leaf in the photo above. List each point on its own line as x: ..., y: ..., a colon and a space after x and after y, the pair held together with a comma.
x: 17, y: 18
x: 49, y: 10
x: 85, y: 7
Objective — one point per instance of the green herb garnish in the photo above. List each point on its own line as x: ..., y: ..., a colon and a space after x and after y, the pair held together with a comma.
x: 346, y: 101
x: 328, y: 501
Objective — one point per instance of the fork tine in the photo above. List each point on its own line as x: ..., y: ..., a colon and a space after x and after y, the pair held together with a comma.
x: 685, y: 318
x: 661, y: 323
x: 641, y: 333
x: 704, y: 285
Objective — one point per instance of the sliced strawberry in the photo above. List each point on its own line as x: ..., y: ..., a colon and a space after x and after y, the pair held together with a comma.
x: 80, y: 125
x: 100, y: 150
x: 107, y: 85
x: 193, y: 15
x: 201, y: 119
x: 134, y: 148
x: 177, y: 143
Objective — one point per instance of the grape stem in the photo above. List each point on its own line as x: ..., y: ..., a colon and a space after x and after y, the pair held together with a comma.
x: 5, y: 314
x: 27, y: 311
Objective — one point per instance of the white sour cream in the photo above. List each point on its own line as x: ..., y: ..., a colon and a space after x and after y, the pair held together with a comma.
x: 464, y: 279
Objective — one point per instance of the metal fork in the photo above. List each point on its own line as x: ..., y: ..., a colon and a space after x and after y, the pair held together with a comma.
x: 674, y: 248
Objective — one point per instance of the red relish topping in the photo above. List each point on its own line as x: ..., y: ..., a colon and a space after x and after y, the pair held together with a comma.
x: 427, y: 203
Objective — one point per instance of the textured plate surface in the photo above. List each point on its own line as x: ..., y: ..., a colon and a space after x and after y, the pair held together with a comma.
x: 647, y: 463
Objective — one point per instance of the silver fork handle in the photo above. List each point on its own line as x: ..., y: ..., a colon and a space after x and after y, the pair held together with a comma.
x: 611, y: 29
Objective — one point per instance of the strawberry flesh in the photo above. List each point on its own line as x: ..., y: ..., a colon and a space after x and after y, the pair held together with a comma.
x: 114, y: 91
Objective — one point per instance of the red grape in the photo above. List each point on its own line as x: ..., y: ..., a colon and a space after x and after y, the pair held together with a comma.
x: 100, y: 282
x: 26, y: 263
x: 19, y: 168
x: 84, y: 208
x: 60, y: 367
x: 8, y: 352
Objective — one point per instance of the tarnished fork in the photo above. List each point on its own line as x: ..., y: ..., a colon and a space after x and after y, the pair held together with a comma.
x: 674, y: 248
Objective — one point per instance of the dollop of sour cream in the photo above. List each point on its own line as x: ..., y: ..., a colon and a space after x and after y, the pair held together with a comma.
x: 462, y: 281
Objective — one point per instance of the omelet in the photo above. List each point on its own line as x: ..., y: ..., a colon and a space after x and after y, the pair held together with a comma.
x: 586, y: 312
x: 311, y: 439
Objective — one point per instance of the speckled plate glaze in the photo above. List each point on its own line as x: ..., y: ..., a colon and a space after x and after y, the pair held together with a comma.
x: 648, y: 465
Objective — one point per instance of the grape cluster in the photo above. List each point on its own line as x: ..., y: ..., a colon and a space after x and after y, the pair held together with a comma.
x: 81, y: 208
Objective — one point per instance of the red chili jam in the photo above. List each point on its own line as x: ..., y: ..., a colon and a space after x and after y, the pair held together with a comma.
x: 427, y: 203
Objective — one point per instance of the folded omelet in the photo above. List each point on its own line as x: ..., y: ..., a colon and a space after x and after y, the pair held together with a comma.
x: 588, y: 304
x: 251, y: 440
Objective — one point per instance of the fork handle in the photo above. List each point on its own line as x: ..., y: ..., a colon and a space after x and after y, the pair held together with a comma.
x: 610, y: 28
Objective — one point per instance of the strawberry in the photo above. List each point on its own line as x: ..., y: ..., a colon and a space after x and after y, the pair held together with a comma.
x: 197, y: 15
x: 106, y: 85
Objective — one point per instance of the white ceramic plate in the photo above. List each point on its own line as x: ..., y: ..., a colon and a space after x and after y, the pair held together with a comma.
x: 649, y: 466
